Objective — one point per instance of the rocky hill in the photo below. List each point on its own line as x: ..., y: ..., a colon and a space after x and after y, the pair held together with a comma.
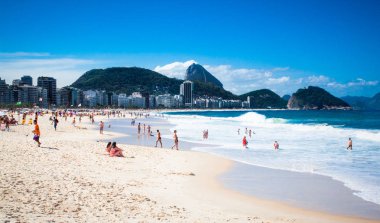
x: 196, y: 72
x: 357, y: 102
x: 374, y: 102
x: 264, y: 98
x: 131, y: 79
x: 315, y: 98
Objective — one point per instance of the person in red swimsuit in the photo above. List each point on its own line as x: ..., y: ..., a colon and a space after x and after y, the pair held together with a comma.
x: 245, y: 142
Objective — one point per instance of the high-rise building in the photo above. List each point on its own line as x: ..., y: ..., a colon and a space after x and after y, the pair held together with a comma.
x: 89, y: 98
x: 28, y: 80
x: 16, y: 82
x: 4, y: 92
x: 42, y: 97
x: 50, y: 84
x: 14, y: 94
x: 186, y: 90
x: 28, y: 94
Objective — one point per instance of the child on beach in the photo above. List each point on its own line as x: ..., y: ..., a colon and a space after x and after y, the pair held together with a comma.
x: 245, y: 142
x: 175, y: 137
x: 158, y: 138
x: 116, y: 151
x: 37, y: 133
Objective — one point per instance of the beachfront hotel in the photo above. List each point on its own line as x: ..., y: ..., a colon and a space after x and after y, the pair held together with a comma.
x: 186, y: 90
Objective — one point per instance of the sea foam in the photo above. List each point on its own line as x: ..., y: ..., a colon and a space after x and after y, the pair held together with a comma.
x: 313, y: 147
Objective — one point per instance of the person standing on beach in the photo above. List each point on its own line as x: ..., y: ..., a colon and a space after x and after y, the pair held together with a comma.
x: 144, y: 128
x: 158, y: 138
x: 245, y: 142
x: 55, y: 123
x: 276, y: 145
x: 175, y: 137
x: 138, y: 128
x: 74, y: 121
x: 148, y: 130
x: 37, y: 133
x: 250, y: 133
x: 349, y: 144
x: 101, y: 125
x: 238, y: 131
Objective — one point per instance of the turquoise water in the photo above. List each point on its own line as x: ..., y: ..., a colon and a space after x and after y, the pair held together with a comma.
x: 310, y: 141
x: 339, y: 118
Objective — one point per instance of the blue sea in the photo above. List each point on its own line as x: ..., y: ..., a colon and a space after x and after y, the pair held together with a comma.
x: 310, y: 141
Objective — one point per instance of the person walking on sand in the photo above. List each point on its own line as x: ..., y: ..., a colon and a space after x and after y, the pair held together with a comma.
x: 55, y: 123
x: 74, y: 121
x: 37, y: 133
x: 101, y: 125
x: 158, y: 138
x: 175, y: 137
x: 276, y: 145
x: 349, y: 144
x: 245, y: 142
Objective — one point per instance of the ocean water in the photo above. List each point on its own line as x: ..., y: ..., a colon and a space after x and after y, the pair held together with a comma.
x: 310, y: 141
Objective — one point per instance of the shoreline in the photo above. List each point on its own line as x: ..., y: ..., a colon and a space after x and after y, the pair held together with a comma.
x: 308, y: 191
x: 319, y: 201
x: 71, y: 178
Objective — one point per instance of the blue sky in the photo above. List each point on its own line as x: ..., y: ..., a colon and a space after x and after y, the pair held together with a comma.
x: 281, y: 45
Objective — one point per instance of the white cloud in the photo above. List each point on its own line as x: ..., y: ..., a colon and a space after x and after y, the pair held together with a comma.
x: 175, y: 69
x: 279, y: 80
x: 23, y: 54
x: 362, y: 82
x: 321, y: 79
x: 359, y: 82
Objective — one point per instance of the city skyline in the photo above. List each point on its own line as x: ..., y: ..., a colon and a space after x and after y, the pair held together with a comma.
x: 248, y: 46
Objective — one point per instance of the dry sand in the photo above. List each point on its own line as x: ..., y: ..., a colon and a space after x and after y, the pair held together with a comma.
x: 70, y: 178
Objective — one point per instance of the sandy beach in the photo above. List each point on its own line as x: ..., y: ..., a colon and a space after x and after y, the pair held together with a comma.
x: 71, y: 178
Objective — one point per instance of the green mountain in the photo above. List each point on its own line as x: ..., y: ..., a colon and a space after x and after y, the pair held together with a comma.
x: 315, y: 98
x: 197, y: 72
x: 263, y: 98
x: 132, y: 79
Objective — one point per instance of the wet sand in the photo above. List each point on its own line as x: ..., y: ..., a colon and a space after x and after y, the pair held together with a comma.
x: 304, y: 190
